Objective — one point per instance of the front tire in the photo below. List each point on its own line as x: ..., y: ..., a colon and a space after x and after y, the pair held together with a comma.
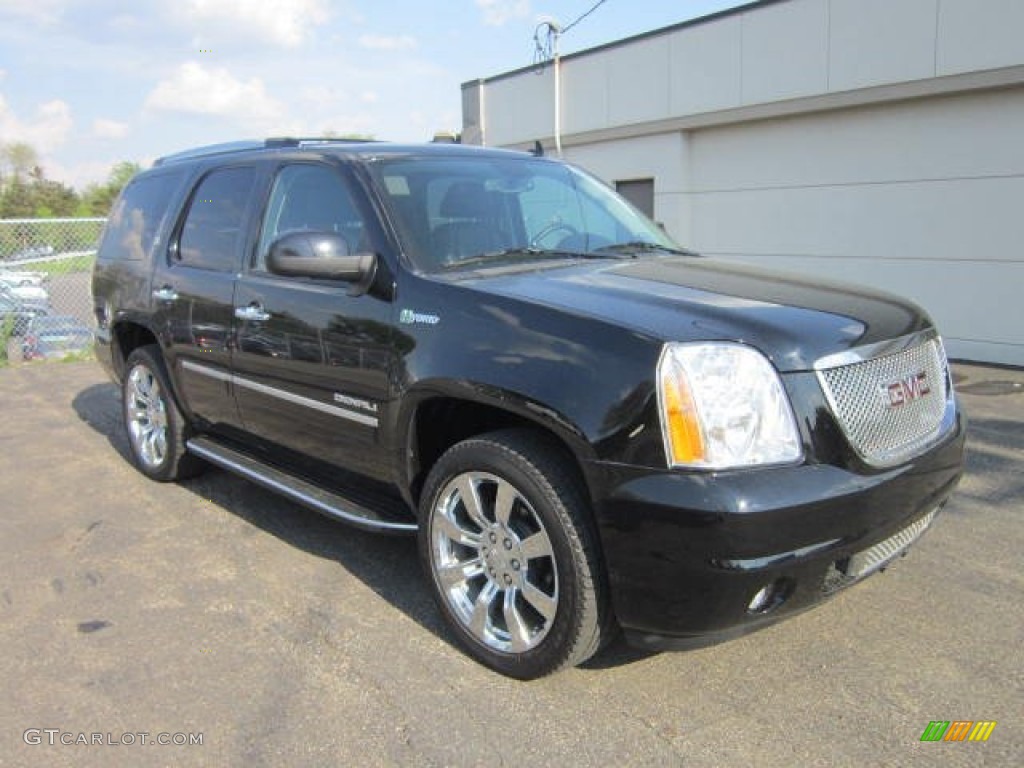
x: 157, y: 430
x: 511, y: 554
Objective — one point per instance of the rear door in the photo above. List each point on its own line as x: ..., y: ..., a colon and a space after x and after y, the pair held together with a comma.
x: 193, y: 290
x: 312, y: 363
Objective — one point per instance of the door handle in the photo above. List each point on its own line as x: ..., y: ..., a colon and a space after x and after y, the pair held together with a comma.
x: 166, y: 293
x: 254, y: 313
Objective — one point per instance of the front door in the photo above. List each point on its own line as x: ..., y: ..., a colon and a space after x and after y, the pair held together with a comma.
x: 312, y: 362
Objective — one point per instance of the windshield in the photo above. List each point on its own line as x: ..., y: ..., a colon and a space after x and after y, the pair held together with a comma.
x: 460, y: 212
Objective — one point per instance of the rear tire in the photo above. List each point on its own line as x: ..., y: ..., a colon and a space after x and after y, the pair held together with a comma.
x: 157, y: 430
x: 511, y: 554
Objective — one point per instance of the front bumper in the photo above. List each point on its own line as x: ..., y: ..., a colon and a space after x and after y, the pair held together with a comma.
x: 687, y: 553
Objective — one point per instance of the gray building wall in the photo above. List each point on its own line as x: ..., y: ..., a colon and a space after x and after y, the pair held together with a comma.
x: 880, y: 141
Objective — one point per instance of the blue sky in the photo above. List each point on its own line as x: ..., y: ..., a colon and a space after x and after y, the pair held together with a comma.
x: 93, y: 82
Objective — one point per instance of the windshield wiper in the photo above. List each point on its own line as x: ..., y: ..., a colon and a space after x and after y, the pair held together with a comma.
x: 530, y: 254
x: 635, y: 247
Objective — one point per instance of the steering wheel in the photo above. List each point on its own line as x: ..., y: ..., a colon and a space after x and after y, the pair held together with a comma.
x: 552, y: 228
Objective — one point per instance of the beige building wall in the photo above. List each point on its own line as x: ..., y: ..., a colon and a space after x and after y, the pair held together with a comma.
x: 880, y: 141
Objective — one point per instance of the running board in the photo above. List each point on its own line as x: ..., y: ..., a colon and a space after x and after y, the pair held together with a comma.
x: 298, y: 490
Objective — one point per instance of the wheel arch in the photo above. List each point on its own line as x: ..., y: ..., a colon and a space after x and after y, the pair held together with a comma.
x: 438, y: 419
x: 127, y: 335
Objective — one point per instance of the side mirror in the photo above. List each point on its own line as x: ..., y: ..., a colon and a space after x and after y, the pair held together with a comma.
x: 322, y: 256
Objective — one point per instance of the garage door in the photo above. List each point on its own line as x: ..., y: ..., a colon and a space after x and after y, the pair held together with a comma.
x: 922, y: 198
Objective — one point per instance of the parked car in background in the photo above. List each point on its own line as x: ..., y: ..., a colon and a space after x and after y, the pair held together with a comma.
x: 55, y: 337
x: 30, y: 293
x: 13, y: 278
x: 42, y: 306
x: 33, y: 252
x: 12, y: 308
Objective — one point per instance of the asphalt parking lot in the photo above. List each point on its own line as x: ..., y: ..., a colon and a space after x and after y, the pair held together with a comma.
x: 214, y: 608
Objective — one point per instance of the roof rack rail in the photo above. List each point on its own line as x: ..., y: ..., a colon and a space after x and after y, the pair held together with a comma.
x: 210, y: 149
x: 276, y: 142
x: 306, y: 141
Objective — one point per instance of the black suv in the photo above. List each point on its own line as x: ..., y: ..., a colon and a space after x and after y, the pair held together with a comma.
x: 590, y: 429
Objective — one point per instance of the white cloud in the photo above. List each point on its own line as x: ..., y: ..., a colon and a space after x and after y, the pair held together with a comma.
x: 283, y: 22
x: 341, y: 125
x: 318, y: 94
x: 499, y: 12
x: 78, y: 175
x: 109, y: 129
x: 197, y: 89
x: 388, y: 42
x: 46, y: 130
x: 38, y: 11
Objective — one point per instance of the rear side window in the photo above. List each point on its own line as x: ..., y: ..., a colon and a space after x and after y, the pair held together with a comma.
x: 135, y: 218
x: 214, y: 232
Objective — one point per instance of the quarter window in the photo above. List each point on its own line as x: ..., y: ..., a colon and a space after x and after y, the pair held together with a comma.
x: 136, y: 216
x: 214, y: 233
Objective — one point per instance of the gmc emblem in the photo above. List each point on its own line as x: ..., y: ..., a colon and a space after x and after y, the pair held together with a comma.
x: 907, y: 389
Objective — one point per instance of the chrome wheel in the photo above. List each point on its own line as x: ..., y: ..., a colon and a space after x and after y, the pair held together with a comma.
x: 493, y: 562
x: 146, y: 412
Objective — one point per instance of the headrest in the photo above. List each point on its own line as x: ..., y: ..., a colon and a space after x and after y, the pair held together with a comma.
x: 465, y: 200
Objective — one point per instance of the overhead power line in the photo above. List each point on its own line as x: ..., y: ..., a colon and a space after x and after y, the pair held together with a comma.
x: 596, y: 5
x: 545, y: 36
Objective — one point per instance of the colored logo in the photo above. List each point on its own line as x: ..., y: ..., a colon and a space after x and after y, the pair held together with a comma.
x: 408, y: 317
x: 906, y: 390
x: 958, y: 730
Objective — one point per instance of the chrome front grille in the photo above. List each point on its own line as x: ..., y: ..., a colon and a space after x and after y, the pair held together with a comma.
x: 891, y: 404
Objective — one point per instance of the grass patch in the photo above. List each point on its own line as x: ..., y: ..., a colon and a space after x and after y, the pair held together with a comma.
x: 81, y: 263
x: 85, y: 356
x: 6, y: 332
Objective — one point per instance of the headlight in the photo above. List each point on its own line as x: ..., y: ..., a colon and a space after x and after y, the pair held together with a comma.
x: 722, y: 405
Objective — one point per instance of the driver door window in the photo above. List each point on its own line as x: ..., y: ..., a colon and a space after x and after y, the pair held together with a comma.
x: 311, y: 198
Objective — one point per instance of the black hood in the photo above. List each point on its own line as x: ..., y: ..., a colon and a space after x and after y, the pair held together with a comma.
x: 793, y: 320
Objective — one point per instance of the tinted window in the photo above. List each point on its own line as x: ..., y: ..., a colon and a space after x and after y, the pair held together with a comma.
x: 136, y: 216
x: 312, y: 198
x: 462, y: 209
x: 213, y: 234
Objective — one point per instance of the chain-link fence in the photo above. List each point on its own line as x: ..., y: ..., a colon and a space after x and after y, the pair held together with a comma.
x: 45, y: 293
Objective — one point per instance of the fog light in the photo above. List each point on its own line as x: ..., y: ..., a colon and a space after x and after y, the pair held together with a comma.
x: 769, y: 597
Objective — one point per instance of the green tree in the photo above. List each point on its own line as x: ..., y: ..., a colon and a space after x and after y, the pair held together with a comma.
x: 16, y: 200
x: 38, y: 197
x: 25, y: 192
x: 330, y: 134
x: 53, y: 199
x: 96, y: 199
x: 17, y: 159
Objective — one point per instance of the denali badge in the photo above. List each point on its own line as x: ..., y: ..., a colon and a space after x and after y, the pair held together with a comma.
x: 903, y: 391
x: 355, y: 402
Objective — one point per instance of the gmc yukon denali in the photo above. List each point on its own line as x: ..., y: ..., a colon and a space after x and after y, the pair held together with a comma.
x: 590, y: 429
